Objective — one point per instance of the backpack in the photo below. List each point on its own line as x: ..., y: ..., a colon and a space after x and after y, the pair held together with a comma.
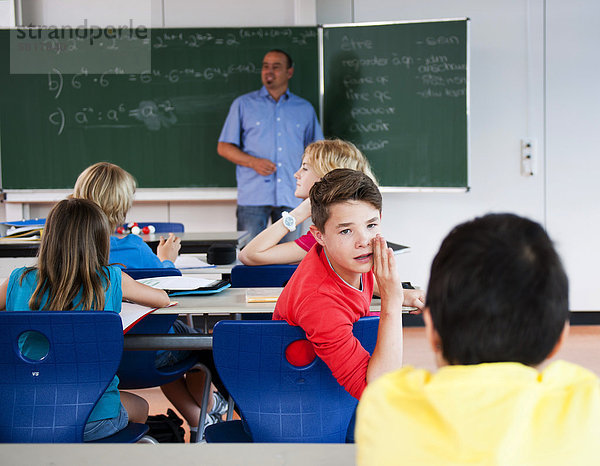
x: 166, y: 428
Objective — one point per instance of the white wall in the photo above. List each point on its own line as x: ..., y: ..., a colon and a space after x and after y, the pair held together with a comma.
x: 516, y: 91
x: 573, y: 143
x: 7, y: 13
x: 499, y: 118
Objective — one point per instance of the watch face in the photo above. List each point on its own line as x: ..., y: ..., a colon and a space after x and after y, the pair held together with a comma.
x: 288, y: 222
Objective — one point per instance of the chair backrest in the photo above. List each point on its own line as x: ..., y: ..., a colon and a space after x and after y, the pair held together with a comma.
x: 247, y: 276
x: 278, y: 401
x: 136, y: 274
x: 49, y: 401
x: 162, y: 227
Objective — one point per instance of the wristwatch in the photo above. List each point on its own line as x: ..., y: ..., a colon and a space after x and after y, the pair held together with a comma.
x: 289, y: 221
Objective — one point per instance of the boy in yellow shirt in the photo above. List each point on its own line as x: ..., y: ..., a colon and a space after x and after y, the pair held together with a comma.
x: 497, y: 308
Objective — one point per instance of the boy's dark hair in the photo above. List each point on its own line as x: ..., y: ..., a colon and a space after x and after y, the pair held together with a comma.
x: 290, y: 62
x: 498, y: 292
x: 340, y: 185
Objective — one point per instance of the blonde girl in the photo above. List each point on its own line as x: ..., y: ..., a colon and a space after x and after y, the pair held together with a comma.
x: 319, y: 158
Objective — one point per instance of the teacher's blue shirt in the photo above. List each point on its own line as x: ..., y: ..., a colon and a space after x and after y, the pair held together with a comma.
x: 278, y: 131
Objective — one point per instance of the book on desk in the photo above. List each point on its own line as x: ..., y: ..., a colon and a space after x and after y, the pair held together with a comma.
x: 186, y: 285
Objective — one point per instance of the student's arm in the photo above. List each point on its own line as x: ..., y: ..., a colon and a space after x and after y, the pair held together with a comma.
x: 387, y: 355
x: 142, y: 294
x: 168, y: 250
x: 412, y: 298
x: 234, y: 154
x: 264, y: 248
x: 3, y: 291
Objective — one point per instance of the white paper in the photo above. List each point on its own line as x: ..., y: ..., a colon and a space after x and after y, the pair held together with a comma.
x: 190, y: 261
x: 131, y: 313
x: 176, y: 283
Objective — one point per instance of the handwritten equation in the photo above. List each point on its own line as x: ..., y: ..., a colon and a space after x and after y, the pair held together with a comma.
x: 57, y: 80
x: 154, y: 115
x: 232, y: 38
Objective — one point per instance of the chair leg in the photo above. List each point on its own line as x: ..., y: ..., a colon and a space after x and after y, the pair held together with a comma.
x: 230, y: 406
x: 205, y: 395
x: 148, y: 439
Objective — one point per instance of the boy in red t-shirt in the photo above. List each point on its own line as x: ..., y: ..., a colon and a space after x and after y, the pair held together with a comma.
x: 333, y: 285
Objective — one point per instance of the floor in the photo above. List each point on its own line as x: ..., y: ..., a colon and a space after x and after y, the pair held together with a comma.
x: 582, y: 347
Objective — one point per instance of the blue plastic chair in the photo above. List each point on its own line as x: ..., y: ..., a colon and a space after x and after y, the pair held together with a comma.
x: 278, y: 401
x: 49, y: 401
x: 137, y: 369
x: 248, y: 276
x: 162, y: 227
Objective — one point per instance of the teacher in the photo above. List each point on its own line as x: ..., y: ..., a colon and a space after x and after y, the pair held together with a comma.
x: 265, y: 134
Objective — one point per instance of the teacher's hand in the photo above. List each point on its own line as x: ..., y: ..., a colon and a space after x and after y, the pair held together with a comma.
x: 263, y: 167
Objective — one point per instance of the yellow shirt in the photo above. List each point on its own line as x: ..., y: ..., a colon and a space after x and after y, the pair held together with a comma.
x: 487, y: 414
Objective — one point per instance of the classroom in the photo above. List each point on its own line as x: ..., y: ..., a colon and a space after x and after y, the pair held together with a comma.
x: 532, y: 90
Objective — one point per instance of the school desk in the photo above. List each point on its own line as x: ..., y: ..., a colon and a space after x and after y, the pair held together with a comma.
x: 230, y: 303
x: 191, y: 242
x: 207, y: 454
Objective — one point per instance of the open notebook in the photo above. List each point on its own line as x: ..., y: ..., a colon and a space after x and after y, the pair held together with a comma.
x: 132, y: 313
x: 186, y: 285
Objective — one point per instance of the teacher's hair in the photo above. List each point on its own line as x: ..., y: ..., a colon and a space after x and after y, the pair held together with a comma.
x: 288, y: 58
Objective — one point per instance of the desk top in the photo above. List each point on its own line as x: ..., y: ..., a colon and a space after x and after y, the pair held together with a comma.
x: 191, y: 242
x: 227, y: 302
x: 207, y: 454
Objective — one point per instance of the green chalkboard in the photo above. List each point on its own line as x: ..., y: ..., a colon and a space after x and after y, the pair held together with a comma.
x: 161, y: 124
x: 399, y: 91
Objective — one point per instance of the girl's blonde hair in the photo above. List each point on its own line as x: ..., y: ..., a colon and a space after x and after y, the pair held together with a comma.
x: 329, y: 154
x: 109, y: 186
x: 71, y: 259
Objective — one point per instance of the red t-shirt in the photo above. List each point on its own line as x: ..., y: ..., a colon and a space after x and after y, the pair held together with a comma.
x: 326, y: 308
x: 306, y: 241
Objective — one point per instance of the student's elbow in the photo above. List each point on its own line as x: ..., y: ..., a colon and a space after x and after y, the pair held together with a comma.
x: 248, y: 258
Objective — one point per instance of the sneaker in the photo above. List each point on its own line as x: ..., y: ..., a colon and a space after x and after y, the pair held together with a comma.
x: 220, y: 405
x: 211, y: 419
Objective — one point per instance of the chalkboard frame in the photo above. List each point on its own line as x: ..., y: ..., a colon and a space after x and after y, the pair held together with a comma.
x: 322, y: 66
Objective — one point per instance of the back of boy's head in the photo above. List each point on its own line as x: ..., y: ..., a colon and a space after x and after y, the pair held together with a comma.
x: 341, y: 185
x: 498, y: 292
x: 328, y: 154
x: 109, y: 186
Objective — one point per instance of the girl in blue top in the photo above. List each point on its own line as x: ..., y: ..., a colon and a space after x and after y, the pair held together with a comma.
x: 72, y: 273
